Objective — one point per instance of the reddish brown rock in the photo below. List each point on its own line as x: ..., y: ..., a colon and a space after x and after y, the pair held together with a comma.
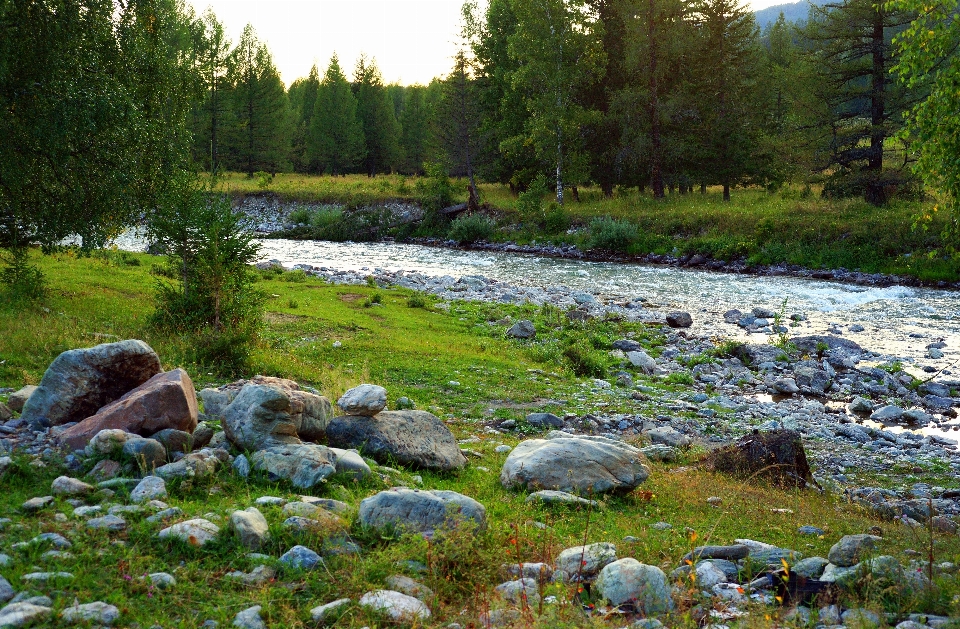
x: 167, y: 400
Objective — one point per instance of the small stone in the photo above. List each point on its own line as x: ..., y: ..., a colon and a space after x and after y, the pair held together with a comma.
x: 661, y: 526
x: 860, y: 405
x: 97, y: 612
x: 890, y: 413
x: 811, y: 530
x: 6, y: 590
x: 104, y: 470
x: 326, y: 612
x: 36, y: 504
x: 249, y: 619
x: 860, y: 618
x: 66, y: 486
x: 714, y: 500
x: 549, y: 496
x: 44, y: 577
x: 195, y: 532
x: 522, y: 330
x: 541, y: 420
x: 504, y: 449
x: 851, y: 549
x: 301, y: 558
x: 629, y: 580
x: 810, y: 568
x: 258, y: 576
x: 787, y: 386
x: 397, y: 605
x: 270, y: 501
x: 365, y: 400
x: 679, y: 320
x: 107, y: 522
x: 150, y: 488
x: 22, y: 614
x: 408, y: 586
x: 586, y: 561
x: 642, y: 361
x: 161, y: 580
x: 241, y: 466
x: 520, y: 592
x: 17, y: 399
x: 251, y: 527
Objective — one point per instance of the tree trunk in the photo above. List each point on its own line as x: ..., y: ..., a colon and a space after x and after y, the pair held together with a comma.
x: 703, y: 188
x: 576, y: 193
x: 726, y: 192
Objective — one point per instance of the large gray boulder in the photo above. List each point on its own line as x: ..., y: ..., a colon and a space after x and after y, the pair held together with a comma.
x: 274, y: 411
x: 304, y: 465
x: 584, y: 466
x: 410, y: 437
x: 629, y: 581
x: 81, y: 381
x: 419, y: 511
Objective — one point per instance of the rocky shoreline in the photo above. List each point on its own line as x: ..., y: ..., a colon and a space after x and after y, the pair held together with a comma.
x: 268, y: 216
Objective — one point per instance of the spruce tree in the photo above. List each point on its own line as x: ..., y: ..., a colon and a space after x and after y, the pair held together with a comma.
x: 335, y: 138
x: 303, y: 98
x: 416, y: 136
x: 211, y: 110
x: 458, y: 119
x: 260, y: 137
x: 381, y: 131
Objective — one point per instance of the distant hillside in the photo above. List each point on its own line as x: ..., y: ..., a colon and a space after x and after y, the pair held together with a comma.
x: 794, y: 12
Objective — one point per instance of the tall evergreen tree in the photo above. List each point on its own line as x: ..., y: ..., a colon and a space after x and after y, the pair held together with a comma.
x: 459, y: 120
x: 415, y: 130
x: 376, y: 113
x: 730, y: 117
x: 852, y: 43
x: 303, y: 98
x: 557, y: 50
x: 211, y: 110
x: 335, y: 138
x: 260, y: 139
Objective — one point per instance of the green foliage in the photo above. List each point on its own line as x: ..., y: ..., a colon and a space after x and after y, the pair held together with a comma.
x: 335, y: 143
x: 678, y: 377
x: 585, y: 360
x: 381, y: 132
x: 21, y: 280
x: 212, y: 296
x: 417, y: 300
x: 530, y: 201
x: 264, y: 179
x: 612, y: 234
x: 470, y: 228
x: 434, y: 192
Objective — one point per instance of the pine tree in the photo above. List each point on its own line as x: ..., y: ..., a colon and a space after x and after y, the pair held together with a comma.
x: 303, y: 98
x: 416, y: 130
x: 458, y: 118
x: 852, y: 44
x: 260, y: 139
x: 730, y: 125
x: 211, y: 111
x: 375, y: 110
x: 335, y: 138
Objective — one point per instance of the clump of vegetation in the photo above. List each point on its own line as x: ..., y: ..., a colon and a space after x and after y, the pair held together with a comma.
x: 612, y: 234
x: 471, y: 228
x: 417, y: 300
x: 530, y: 201
x: 585, y: 360
x: 434, y: 192
x: 22, y: 281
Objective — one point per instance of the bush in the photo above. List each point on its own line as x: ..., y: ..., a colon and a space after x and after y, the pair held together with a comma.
x: 297, y: 276
x: 417, y: 301
x: 471, y: 228
x: 300, y: 216
x: 585, y: 360
x: 434, y: 192
x: 21, y: 280
x: 530, y: 201
x: 557, y: 221
x: 612, y: 234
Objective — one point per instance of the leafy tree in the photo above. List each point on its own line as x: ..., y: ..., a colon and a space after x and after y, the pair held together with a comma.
x: 852, y: 43
x: 557, y: 50
x: 303, y: 99
x: 376, y: 113
x: 335, y: 141
x: 729, y: 127
x: 260, y: 138
x: 928, y: 57
x: 91, y: 115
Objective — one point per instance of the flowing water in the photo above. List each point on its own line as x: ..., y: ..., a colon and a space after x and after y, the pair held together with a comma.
x: 899, y: 322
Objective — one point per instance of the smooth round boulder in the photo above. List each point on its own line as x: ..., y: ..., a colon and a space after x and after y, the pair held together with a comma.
x: 251, y: 527
x: 195, y: 532
x: 273, y: 411
x: 398, y: 606
x: 421, y: 511
x: 414, y: 438
x: 575, y: 465
x: 851, y: 549
x: 365, y: 400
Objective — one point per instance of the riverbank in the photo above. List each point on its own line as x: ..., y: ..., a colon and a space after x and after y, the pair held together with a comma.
x: 769, y: 233
x: 597, y: 374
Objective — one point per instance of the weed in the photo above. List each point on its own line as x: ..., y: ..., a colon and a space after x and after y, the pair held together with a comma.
x: 471, y: 228
x: 584, y: 360
x: 297, y: 276
x: 612, y: 234
x: 417, y: 300
x: 678, y: 377
x: 293, y: 304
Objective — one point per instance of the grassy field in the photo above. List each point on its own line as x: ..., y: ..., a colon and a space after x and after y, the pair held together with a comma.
x: 449, y: 361
x: 762, y: 227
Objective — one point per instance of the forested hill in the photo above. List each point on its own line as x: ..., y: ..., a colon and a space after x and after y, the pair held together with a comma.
x: 793, y: 12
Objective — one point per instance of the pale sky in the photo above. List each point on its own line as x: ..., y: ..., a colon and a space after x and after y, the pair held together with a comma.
x: 412, y: 40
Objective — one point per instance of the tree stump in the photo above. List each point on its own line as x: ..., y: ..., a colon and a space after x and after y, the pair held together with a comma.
x: 777, y: 456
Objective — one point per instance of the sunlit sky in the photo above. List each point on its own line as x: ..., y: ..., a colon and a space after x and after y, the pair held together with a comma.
x: 412, y: 40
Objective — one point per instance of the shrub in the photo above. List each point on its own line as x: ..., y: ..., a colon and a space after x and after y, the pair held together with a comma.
x: 300, y: 216
x: 297, y: 276
x: 471, y: 228
x: 21, y: 280
x: 417, y: 300
x: 557, y: 221
x: 530, y: 201
x: 585, y: 360
x: 611, y: 234
x: 434, y: 192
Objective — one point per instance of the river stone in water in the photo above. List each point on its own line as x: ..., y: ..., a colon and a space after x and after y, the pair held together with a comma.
x: 274, y: 411
x: 851, y: 549
x: 420, y: 511
x: 410, y: 437
x: 585, y: 466
x: 81, y: 381
x: 629, y: 581
x: 305, y: 465
x: 366, y: 400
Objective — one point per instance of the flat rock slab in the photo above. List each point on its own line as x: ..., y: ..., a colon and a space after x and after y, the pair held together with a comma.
x: 195, y: 532
x: 81, y: 381
x: 571, y: 464
x: 397, y: 605
x: 304, y: 465
x: 167, y: 400
x: 414, y: 438
x: 108, y: 523
x: 419, y: 511
x: 732, y: 553
x: 550, y: 496
x: 275, y: 411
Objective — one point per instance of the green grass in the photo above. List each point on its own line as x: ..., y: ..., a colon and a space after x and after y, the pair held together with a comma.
x: 414, y: 352
x: 759, y: 226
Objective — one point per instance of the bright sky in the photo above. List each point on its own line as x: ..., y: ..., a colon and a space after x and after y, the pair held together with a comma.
x: 412, y: 40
